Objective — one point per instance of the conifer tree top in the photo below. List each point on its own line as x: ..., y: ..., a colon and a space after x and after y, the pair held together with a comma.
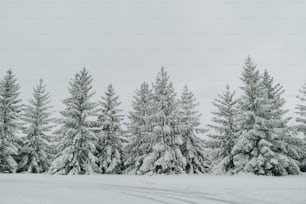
x: 110, y: 100
x: 250, y: 73
x: 9, y: 85
x: 162, y: 81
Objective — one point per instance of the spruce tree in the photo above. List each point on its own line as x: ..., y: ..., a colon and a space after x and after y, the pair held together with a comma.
x: 286, y: 142
x: 223, y: 134
x: 10, y: 125
x: 77, y: 139
x: 193, y: 147
x: 301, y: 122
x: 301, y: 112
x: 35, y: 153
x: 139, y: 129
x: 256, y: 150
x: 110, y: 156
x: 165, y: 156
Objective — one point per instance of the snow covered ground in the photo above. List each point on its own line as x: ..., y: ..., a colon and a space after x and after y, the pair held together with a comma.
x: 108, y: 189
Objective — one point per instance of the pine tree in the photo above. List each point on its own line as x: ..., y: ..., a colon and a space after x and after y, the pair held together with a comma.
x: 10, y: 109
x: 35, y: 153
x: 223, y: 134
x: 77, y: 142
x: 256, y: 150
x: 286, y: 142
x: 139, y: 129
x: 165, y: 156
x: 301, y: 120
x: 189, y: 121
x: 301, y: 111
x: 110, y: 135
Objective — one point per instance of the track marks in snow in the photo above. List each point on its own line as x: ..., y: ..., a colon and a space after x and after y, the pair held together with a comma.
x: 154, y: 190
x: 146, y: 197
x: 168, y: 196
x: 164, y: 195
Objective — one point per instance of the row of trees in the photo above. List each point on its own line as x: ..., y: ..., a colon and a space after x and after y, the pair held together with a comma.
x: 248, y: 134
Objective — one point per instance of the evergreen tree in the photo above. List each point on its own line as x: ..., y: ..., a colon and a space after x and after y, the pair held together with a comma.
x: 110, y: 135
x: 286, y: 142
x: 77, y: 142
x: 224, y: 132
x: 165, y: 156
x: 256, y: 150
x: 301, y: 120
x: 301, y: 112
x: 192, y: 148
x: 35, y: 153
x: 10, y: 109
x: 139, y: 129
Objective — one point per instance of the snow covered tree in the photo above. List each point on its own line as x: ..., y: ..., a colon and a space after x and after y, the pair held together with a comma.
x: 256, y: 150
x: 35, y: 152
x: 139, y: 129
x: 285, y: 141
x: 77, y: 142
x: 189, y: 121
x: 301, y: 111
x: 10, y: 109
x: 165, y: 156
x: 223, y: 134
x: 110, y: 156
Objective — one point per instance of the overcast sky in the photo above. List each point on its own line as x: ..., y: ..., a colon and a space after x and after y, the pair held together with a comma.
x: 201, y: 43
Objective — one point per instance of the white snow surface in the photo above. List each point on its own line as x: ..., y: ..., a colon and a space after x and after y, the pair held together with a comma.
x: 194, y: 189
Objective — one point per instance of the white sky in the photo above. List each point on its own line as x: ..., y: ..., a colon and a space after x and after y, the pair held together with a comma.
x: 201, y: 43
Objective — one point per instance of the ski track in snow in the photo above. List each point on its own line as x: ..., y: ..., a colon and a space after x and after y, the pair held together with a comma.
x: 156, y: 189
x: 156, y: 194
x: 177, y: 196
x: 180, y: 196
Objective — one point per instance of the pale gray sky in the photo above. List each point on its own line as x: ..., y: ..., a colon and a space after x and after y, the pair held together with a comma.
x: 201, y: 43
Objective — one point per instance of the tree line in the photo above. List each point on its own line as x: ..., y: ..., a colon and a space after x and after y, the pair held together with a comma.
x: 247, y: 134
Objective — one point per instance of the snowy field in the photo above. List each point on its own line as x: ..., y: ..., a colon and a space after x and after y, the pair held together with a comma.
x: 107, y: 189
